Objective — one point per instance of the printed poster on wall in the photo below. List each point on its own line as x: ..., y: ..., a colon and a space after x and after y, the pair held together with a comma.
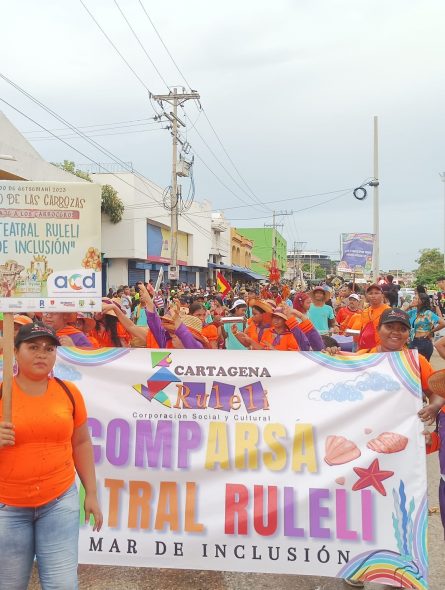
x: 291, y: 463
x: 357, y: 252
x: 50, y: 246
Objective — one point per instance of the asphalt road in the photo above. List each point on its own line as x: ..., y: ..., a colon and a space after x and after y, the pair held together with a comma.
x: 122, y: 578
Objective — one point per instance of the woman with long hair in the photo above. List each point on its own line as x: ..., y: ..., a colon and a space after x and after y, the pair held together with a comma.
x: 424, y: 323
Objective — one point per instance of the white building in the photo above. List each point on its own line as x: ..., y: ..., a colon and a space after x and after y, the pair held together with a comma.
x: 220, y: 252
x: 20, y: 161
x: 138, y: 246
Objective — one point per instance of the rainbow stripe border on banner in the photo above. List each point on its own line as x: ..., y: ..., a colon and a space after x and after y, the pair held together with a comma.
x: 406, y: 366
x: 345, y: 363
x: 91, y: 358
x: 389, y: 567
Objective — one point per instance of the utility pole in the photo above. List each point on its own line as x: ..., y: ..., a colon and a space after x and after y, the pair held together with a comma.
x: 175, y: 99
x: 376, y: 251
x: 274, y: 227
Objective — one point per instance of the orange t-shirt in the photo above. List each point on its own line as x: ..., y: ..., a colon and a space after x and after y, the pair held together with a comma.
x: 104, y: 338
x: 287, y: 340
x: 369, y: 315
x: 210, y: 331
x: 40, y: 466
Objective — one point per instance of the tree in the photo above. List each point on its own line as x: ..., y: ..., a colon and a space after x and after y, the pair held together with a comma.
x: 431, y: 266
x: 111, y: 203
x: 320, y: 272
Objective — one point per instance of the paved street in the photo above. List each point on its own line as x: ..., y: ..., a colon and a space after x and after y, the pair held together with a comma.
x: 113, y: 578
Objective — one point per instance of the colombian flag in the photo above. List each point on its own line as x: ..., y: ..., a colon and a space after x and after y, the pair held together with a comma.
x: 222, y: 286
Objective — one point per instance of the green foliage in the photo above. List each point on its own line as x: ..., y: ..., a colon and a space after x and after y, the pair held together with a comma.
x: 111, y: 204
x: 306, y: 267
x: 320, y: 272
x: 69, y: 166
x: 430, y: 268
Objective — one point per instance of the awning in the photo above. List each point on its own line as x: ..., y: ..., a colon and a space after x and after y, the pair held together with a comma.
x: 247, y: 271
x: 219, y: 265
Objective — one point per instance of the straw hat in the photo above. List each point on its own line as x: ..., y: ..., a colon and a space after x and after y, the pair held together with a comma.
x: 89, y: 323
x: 279, y: 312
x: 194, y: 324
x: 263, y: 305
x: 107, y: 301
x: 326, y: 294
x: 436, y: 382
x: 19, y: 319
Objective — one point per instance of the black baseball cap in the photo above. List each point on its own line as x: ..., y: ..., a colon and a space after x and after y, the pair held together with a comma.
x: 35, y: 330
x: 395, y: 315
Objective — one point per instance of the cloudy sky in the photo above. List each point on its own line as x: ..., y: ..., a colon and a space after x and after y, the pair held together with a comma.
x: 290, y: 86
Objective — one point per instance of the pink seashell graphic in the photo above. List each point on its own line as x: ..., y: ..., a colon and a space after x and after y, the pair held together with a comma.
x: 368, y: 430
x: 340, y: 450
x: 341, y: 481
x: 388, y: 442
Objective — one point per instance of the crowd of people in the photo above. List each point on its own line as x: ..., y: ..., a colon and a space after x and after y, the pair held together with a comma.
x: 47, y: 441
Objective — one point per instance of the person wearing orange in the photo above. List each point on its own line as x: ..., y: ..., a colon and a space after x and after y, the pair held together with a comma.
x: 345, y: 314
x: 19, y: 321
x: 368, y: 320
x: 260, y: 320
x: 277, y: 337
x: 67, y: 334
x: 109, y: 331
x: 393, y: 329
x: 210, y: 331
x: 86, y: 325
x: 41, y: 450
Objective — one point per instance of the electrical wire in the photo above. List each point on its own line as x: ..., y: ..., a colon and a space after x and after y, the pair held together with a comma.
x: 81, y: 153
x: 140, y: 43
x: 97, y: 134
x: 164, y: 45
x: 114, y: 125
x: 106, y: 152
x: 116, y: 49
x: 252, y: 194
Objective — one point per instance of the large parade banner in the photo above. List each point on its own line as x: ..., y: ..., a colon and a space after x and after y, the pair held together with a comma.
x: 357, y: 250
x: 296, y: 463
x: 50, y: 257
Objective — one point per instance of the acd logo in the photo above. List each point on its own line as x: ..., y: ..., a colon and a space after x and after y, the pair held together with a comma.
x: 76, y: 282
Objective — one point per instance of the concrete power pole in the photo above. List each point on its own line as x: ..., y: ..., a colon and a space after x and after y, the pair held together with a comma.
x: 175, y: 99
x: 442, y: 176
x: 274, y: 226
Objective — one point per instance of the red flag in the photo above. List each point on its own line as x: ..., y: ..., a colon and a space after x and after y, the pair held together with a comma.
x: 222, y: 285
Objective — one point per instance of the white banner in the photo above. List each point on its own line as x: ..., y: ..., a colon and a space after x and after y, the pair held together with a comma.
x: 50, y: 246
x: 296, y: 463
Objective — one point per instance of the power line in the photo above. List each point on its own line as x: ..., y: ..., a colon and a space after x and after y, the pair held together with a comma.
x: 106, y: 152
x: 252, y: 194
x: 116, y: 49
x: 113, y: 125
x: 97, y: 134
x: 164, y: 45
x: 79, y: 152
x: 140, y: 43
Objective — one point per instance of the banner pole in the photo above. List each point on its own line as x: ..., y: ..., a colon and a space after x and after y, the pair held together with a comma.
x: 8, y: 361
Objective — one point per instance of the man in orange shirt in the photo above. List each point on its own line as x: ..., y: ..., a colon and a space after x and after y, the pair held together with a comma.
x: 368, y: 320
x: 345, y: 314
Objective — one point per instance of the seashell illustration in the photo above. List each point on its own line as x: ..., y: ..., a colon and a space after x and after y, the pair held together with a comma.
x: 340, y: 481
x: 340, y: 450
x: 388, y: 442
x: 368, y: 430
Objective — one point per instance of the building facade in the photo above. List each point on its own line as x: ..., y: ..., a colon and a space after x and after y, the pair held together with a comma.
x: 137, y: 247
x: 264, y: 240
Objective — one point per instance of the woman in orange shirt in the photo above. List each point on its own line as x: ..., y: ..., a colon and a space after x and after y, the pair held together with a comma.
x: 109, y: 332
x: 43, y: 447
x: 368, y: 320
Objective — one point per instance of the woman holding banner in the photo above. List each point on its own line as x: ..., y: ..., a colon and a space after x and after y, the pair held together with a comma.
x: 40, y: 452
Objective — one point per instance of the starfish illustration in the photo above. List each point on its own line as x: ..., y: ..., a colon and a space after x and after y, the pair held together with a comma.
x: 372, y: 476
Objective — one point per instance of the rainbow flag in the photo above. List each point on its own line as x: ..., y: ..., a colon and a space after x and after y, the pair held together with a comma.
x: 222, y: 286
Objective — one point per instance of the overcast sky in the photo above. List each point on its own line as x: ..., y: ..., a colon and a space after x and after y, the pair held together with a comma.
x: 290, y: 86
